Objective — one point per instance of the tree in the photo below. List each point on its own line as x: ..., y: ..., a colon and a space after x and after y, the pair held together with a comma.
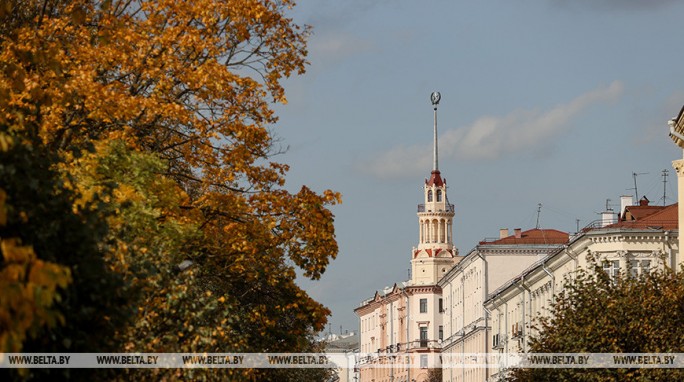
x: 434, y: 375
x: 157, y: 116
x: 56, y: 288
x: 597, y: 314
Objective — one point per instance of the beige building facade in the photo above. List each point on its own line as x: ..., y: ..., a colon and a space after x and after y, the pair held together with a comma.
x: 644, y: 238
x: 404, y: 322
x: 467, y: 325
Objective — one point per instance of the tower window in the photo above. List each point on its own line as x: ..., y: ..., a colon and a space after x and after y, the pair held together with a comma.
x: 439, y: 195
x: 429, y: 195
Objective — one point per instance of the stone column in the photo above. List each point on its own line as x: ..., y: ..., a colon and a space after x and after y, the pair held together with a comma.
x: 679, y: 168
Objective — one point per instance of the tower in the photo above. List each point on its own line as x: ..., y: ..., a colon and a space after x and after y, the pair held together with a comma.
x: 435, y: 253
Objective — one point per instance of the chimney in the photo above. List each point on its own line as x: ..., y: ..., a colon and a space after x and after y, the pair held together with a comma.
x: 503, y: 232
x: 625, y: 201
x: 518, y: 233
x: 644, y: 201
x: 607, y: 218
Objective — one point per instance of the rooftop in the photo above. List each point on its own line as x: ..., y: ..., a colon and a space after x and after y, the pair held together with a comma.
x: 644, y: 216
x: 530, y: 237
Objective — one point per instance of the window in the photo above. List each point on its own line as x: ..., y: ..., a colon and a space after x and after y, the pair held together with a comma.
x: 423, y: 305
x: 441, y: 306
x: 429, y: 195
x: 439, y: 195
x: 639, y: 267
x: 423, y: 361
x: 612, y: 268
x: 423, y: 337
x: 441, y: 332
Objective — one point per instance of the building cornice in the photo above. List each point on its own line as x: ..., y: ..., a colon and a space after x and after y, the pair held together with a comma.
x: 579, y: 244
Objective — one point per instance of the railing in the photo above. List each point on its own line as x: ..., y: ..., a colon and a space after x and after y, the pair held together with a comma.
x: 449, y: 208
x: 654, y: 224
x: 390, y: 353
x: 424, y: 344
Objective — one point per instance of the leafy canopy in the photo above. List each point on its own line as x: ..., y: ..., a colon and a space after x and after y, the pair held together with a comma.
x: 154, y: 121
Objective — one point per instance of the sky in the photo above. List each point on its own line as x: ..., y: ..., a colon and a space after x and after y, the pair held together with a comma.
x: 543, y: 101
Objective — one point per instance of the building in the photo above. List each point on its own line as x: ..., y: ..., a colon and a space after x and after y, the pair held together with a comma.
x: 467, y: 326
x: 643, y: 238
x: 347, y: 345
x: 406, y: 319
x: 485, y: 302
x: 677, y: 135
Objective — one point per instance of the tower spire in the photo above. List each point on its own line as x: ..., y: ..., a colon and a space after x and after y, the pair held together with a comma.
x: 435, y: 97
x: 435, y: 253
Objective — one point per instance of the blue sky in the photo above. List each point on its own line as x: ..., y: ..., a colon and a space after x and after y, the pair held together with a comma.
x: 543, y: 101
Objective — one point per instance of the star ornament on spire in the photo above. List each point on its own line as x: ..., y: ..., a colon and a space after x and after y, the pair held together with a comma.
x: 435, y: 97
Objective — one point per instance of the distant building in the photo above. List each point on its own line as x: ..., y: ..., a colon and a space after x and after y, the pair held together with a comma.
x: 348, y: 345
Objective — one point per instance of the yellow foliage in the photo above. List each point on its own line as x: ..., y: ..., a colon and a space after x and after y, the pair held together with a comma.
x: 185, y: 86
x: 29, y: 290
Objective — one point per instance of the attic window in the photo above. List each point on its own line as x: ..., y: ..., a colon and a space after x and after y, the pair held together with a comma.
x: 429, y: 195
x: 439, y: 195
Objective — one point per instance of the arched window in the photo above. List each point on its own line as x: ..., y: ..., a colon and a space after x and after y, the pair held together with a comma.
x: 439, y: 195
x: 429, y: 195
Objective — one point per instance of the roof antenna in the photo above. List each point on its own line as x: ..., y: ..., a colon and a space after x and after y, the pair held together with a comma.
x: 636, y: 190
x: 664, y: 174
x: 539, y: 206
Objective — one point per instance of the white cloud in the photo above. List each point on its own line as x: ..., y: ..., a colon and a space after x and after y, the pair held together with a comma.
x: 493, y: 137
x: 337, y: 47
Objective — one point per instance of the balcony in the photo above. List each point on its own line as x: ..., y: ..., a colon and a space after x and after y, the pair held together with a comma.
x: 424, y: 344
x: 449, y: 208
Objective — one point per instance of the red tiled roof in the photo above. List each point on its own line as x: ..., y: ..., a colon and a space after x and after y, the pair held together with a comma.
x: 435, y: 179
x: 640, y: 212
x: 665, y: 217
x: 533, y: 236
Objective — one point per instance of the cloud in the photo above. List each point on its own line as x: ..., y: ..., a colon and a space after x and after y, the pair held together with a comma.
x: 333, y: 48
x: 493, y: 137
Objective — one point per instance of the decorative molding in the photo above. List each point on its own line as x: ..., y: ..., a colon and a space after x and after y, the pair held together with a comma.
x: 678, y: 165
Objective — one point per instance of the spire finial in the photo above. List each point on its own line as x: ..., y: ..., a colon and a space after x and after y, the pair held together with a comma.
x: 435, y: 97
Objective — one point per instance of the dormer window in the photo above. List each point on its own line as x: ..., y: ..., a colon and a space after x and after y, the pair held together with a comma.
x: 430, y: 195
x: 439, y: 195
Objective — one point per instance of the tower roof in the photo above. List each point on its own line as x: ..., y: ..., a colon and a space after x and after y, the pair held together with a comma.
x: 435, y: 179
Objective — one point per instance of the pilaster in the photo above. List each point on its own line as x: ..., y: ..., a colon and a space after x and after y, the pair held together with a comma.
x: 678, y: 166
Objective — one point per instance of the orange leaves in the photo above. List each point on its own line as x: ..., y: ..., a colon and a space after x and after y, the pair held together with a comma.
x: 29, y: 290
x: 161, y: 119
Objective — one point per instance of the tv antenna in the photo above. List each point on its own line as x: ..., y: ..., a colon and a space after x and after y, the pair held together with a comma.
x: 664, y: 174
x: 636, y: 190
x: 539, y: 206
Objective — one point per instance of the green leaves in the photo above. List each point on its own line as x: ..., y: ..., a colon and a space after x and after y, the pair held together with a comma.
x: 145, y: 143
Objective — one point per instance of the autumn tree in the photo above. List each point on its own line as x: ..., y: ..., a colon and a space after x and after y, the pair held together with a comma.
x: 157, y: 118
x: 56, y: 288
x: 599, y: 314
